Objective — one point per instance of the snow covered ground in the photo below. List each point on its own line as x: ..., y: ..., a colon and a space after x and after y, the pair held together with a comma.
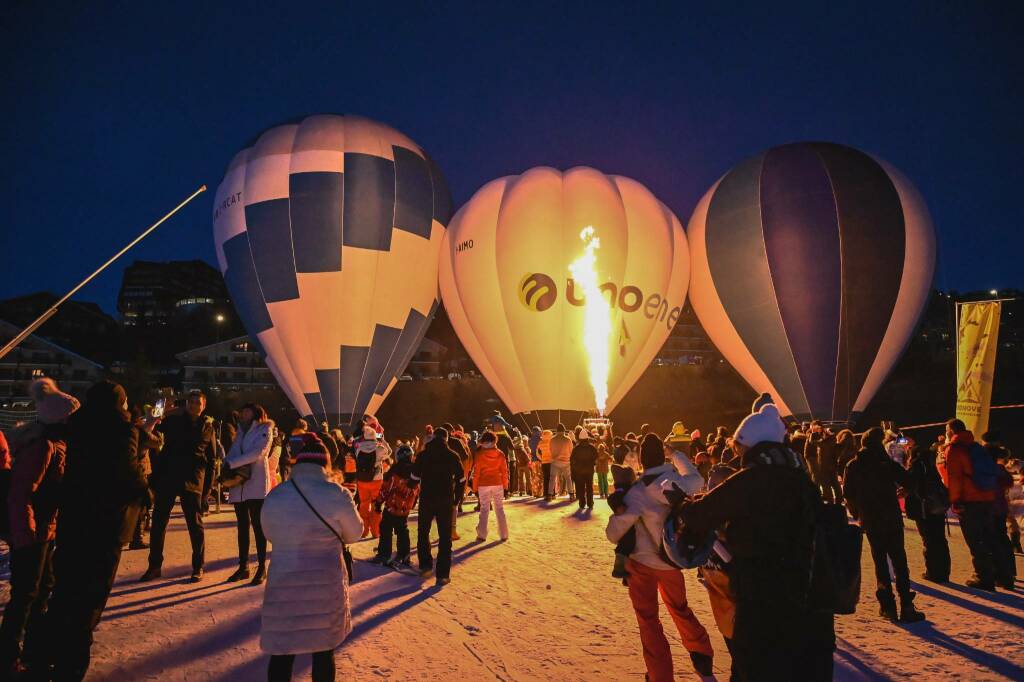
x: 541, y: 607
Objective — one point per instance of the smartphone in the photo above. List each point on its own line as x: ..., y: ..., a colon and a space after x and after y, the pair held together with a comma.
x: 158, y: 408
x: 902, y: 440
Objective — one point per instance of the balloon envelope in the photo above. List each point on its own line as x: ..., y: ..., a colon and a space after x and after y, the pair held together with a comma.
x: 812, y: 263
x: 328, y: 231
x: 505, y: 282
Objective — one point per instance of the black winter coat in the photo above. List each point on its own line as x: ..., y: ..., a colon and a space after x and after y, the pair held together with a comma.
x: 438, y: 469
x: 926, y: 492
x: 769, y: 511
x: 583, y: 459
x: 188, y: 452
x: 104, y: 481
x: 869, y: 487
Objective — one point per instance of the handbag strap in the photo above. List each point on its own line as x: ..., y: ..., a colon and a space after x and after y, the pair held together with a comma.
x: 313, y: 509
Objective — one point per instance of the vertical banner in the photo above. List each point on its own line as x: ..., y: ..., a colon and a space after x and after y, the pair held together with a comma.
x: 977, y: 340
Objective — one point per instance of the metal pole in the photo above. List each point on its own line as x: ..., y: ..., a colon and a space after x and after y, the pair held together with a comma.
x: 25, y: 333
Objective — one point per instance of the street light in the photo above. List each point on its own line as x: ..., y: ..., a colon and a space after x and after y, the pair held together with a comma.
x: 220, y: 318
x: 993, y: 292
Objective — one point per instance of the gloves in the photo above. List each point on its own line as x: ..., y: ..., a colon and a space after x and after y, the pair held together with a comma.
x: 675, y: 496
x: 617, y: 499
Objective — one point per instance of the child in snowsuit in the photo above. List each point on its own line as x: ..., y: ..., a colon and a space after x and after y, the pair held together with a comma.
x: 395, y: 500
x: 623, y: 477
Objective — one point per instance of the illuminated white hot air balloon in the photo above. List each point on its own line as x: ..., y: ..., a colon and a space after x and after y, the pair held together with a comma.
x: 328, y: 232
x: 506, y: 284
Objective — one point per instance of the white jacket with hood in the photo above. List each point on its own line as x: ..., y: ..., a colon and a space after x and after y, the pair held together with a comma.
x: 647, y: 508
x: 253, y: 447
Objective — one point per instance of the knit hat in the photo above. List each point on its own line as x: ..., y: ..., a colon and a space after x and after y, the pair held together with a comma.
x: 762, y: 400
x: 52, y: 404
x: 695, y: 434
x: 403, y: 452
x: 765, y: 425
x: 310, y: 449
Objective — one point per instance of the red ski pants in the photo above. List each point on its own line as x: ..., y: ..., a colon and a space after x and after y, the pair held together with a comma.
x: 644, y: 585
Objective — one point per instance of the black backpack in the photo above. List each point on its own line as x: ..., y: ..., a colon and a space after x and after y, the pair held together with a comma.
x: 835, y: 571
x: 367, y: 468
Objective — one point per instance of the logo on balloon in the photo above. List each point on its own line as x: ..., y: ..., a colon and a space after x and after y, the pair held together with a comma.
x: 537, y: 291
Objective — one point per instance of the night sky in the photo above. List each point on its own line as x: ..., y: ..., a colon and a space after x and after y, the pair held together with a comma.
x: 113, y: 115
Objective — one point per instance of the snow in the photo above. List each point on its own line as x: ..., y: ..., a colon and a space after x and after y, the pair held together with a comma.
x: 542, y: 606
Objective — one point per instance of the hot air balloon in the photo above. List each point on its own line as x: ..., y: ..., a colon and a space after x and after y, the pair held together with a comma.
x: 812, y: 263
x: 328, y: 232
x: 506, y: 283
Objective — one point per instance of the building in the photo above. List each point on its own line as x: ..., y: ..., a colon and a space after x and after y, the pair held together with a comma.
x: 37, y: 357
x: 158, y: 294
x: 78, y: 326
x: 231, y: 365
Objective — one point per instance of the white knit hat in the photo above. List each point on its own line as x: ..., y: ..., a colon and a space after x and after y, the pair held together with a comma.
x: 763, y: 426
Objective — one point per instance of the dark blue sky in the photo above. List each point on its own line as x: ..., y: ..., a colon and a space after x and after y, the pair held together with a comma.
x: 115, y: 114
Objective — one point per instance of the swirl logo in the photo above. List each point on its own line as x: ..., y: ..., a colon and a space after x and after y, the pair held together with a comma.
x: 537, y: 291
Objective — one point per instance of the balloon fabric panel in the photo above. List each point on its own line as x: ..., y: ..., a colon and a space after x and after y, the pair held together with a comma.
x: 801, y: 235
x: 872, y: 235
x: 742, y: 277
x: 370, y: 209
x: 317, y: 201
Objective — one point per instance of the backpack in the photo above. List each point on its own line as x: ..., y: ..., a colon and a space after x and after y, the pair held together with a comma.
x: 401, y: 496
x: 835, y: 571
x: 367, y: 468
x: 984, y: 472
x: 934, y: 495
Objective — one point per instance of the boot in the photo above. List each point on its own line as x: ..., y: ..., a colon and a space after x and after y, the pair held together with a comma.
x: 152, y: 573
x: 909, y: 614
x: 241, y: 574
x: 701, y: 663
x: 886, y: 603
x: 261, y: 575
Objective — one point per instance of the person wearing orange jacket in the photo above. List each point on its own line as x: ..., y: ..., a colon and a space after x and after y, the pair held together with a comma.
x: 971, y: 496
x: 490, y: 481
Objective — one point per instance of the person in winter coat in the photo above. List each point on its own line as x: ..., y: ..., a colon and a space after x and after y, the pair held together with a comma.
x: 926, y: 503
x: 823, y: 450
x: 180, y: 472
x: 306, y: 602
x: 869, y: 487
x: 36, y: 473
x: 251, y: 448
x: 397, y: 497
x: 847, y: 445
x: 623, y: 477
x: 101, y: 495
x: 769, y: 511
x: 534, y: 442
x: 522, y: 454
x: 442, y: 479
x: 582, y: 463
x: 1002, y: 547
x: 972, y: 501
x: 602, y: 468
x: 544, y: 454
x: 370, y: 458
x: 150, y: 443
x: 561, y: 452
x: 646, y: 507
x: 490, y: 481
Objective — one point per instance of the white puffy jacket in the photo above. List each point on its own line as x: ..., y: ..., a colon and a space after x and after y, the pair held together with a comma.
x: 647, y: 508
x: 306, y: 602
x: 252, y: 447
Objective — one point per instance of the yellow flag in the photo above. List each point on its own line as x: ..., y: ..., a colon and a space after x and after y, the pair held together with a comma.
x: 977, y: 340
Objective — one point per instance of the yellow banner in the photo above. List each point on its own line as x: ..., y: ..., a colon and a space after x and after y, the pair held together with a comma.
x: 977, y: 340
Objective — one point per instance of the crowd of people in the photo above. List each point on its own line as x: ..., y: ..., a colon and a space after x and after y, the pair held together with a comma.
x: 746, y: 510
